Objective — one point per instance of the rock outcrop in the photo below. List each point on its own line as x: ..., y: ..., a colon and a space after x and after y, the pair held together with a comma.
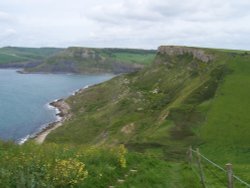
x: 198, y: 54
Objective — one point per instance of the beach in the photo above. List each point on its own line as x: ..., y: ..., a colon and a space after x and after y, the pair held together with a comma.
x: 63, y: 113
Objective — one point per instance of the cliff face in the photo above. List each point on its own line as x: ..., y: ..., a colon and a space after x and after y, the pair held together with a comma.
x: 82, y: 53
x: 198, y: 54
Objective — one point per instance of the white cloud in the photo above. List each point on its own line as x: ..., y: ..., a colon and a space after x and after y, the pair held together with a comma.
x: 125, y: 23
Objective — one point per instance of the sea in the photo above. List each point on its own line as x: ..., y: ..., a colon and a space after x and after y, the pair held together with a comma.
x: 25, y: 98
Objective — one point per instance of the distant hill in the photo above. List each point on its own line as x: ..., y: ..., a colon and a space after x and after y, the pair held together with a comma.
x: 19, y: 57
x: 75, y: 59
x: 93, y: 60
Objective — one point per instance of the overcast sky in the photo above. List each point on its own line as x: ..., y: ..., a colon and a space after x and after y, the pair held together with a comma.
x: 125, y: 23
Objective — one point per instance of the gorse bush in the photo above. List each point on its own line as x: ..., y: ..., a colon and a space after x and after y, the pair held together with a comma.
x: 122, y: 156
x: 52, y: 165
x: 68, y: 172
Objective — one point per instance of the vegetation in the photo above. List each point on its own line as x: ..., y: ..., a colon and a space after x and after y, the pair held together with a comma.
x: 156, y: 113
x: 94, y: 60
x: 53, y: 165
x: 226, y: 130
x: 10, y: 55
x: 169, y: 106
x: 144, y: 57
x: 75, y: 59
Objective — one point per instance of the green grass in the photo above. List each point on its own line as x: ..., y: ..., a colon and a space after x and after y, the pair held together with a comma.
x: 16, y: 54
x: 205, y: 105
x: 226, y: 131
x: 230, y: 108
x: 155, y: 173
x: 52, y: 165
x: 7, y: 58
x: 158, y: 112
x: 145, y: 59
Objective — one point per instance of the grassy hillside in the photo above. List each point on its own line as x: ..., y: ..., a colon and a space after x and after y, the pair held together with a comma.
x: 185, y: 98
x: 93, y: 60
x: 226, y: 133
x: 21, y: 56
x: 144, y: 107
x: 188, y: 96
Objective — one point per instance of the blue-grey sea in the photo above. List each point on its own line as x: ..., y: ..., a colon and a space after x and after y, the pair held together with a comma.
x: 24, y: 99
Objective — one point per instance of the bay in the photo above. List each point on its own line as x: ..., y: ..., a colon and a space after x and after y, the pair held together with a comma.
x: 24, y: 99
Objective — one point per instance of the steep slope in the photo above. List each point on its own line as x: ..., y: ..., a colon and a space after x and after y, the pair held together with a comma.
x: 148, y: 107
x: 189, y: 96
x: 93, y: 60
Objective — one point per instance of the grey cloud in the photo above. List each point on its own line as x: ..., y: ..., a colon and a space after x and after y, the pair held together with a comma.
x: 122, y: 11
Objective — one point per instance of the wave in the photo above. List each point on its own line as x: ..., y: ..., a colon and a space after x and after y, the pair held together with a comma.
x: 57, y: 111
x: 23, y: 140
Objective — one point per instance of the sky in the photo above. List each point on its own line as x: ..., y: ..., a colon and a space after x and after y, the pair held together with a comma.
x: 125, y: 23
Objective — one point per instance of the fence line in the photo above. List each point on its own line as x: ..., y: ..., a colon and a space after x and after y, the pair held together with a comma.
x: 215, y: 175
x: 214, y: 164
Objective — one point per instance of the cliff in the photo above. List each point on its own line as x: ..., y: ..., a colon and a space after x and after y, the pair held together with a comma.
x: 195, y: 53
x: 93, y: 60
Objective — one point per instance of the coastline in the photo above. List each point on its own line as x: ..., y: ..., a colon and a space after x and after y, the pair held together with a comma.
x: 63, y: 114
x: 54, y: 111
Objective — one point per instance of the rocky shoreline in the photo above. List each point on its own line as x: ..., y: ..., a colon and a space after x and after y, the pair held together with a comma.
x: 64, y: 114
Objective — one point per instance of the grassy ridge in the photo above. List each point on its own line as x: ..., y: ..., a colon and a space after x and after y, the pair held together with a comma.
x: 16, y: 54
